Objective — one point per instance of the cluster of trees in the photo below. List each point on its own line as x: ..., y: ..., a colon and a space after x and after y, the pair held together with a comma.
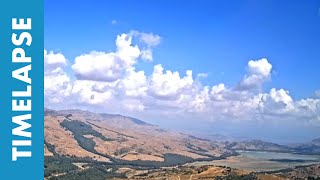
x: 57, y: 164
x: 169, y: 160
x: 98, y: 170
x: 122, y: 151
x: 80, y: 128
x: 111, y: 130
x: 195, y: 148
x: 51, y: 148
x: 68, y: 171
x: 250, y: 176
x: 89, y: 174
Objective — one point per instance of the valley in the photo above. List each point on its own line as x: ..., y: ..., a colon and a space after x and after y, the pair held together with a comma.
x: 85, y: 145
x: 260, y: 161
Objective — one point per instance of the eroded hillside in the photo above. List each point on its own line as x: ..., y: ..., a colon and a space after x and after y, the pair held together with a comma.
x: 108, y: 138
x: 84, y: 145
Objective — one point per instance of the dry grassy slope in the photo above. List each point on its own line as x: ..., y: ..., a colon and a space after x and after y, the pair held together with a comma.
x: 312, y: 171
x: 47, y: 152
x: 194, y: 173
x: 133, y: 139
x: 197, y: 173
x: 212, y: 172
x: 63, y: 140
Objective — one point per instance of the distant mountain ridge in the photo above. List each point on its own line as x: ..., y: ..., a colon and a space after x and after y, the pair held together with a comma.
x: 125, y: 122
x: 312, y: 147
x: 104, y: 146
x: 65, y: 112
x: 316, y: 141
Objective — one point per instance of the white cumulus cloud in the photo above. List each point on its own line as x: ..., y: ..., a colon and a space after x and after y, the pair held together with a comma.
x: 109, y: 82
x: 110, y: 66
x: 168, y: 84
x: 53, y: 60
x: 258, y: 72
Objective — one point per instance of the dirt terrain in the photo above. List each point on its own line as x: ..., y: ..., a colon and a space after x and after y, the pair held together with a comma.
x: 221, y: 172
x: 197, y: 173
x: 63, y: 140
x: 129, y: 139
x: 89, y: 146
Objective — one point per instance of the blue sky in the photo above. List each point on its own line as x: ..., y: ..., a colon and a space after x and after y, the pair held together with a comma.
x: 211, y: 37
x: 214, y: 37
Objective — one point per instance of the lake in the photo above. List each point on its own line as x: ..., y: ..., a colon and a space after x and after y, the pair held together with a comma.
x: 263, y: 161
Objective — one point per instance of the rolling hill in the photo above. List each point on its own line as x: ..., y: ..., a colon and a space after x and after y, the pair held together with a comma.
x: 122, y: 140
x: 85, y: 145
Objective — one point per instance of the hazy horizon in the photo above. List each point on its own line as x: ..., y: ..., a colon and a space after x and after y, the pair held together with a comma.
x: 243, y: 69
x: 238, y: 132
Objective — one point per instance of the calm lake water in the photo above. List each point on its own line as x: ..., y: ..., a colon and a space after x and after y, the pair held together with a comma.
x: 260, y: 160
